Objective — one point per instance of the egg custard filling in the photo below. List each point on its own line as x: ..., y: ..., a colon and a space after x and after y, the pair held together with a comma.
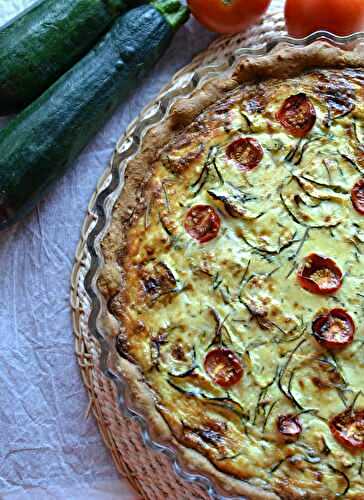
x: 243, y: 295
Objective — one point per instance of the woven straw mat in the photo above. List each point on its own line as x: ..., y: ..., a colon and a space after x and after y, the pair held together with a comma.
x: 149, y: 472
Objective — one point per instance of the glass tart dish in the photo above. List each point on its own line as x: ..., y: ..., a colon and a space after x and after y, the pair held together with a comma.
x: 222, y: 271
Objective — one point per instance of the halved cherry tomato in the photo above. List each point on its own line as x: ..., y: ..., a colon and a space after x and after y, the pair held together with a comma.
x: 202, y: 223
x: 348, y: 428
x: 334, y: 330
x: 228, y: 16
x: 223, y: 366
x: 357, y: 196
x: 341, y: 17
x: 289, y: 425
x: 247, y: 152
x: 297, y: 115
x: 320, y: 275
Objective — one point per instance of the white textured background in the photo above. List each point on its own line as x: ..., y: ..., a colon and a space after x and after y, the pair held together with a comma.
x: 48, y: 450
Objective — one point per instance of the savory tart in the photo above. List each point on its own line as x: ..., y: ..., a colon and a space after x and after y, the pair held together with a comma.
x: 234, y: 276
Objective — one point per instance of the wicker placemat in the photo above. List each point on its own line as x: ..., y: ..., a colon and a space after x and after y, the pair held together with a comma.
x: 149, y: 472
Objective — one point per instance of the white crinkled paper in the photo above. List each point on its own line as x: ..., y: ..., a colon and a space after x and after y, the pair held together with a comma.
x: 48, y: 449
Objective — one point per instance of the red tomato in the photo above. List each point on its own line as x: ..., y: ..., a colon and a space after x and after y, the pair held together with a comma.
x: 247, y: 152
x: 348, y: 428
x: 341, y: 17
x: 297, y: 115
x: 320, y: 275
x: 289, y: 425
x: 357, y: 196
x: 334, y: 330
x: 223, y: 366
x: 202, y: 223
x: 228, y: 17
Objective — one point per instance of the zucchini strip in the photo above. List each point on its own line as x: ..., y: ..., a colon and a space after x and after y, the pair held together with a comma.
x: 284, y: 369
x: 344, y: 476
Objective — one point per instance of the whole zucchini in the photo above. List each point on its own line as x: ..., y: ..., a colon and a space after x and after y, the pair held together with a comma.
x: 39, y: 144
x: 39, y: 46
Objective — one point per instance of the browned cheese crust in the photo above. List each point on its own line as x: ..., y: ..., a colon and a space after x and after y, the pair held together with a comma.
x: 231, y: 434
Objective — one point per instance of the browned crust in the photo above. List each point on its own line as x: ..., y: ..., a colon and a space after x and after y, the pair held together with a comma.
x: 143, y: 401
x: 288, y: 62
x: 285, y: 62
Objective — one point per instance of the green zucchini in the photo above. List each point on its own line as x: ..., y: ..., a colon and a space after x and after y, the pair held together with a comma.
x: 40, y: 143
x: 40, y: 45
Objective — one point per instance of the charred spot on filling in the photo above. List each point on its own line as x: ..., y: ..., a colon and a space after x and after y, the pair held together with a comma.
x: 319, y: 383
x: 210, y: 436
x: 178, y: 353
x: 122, y: 346
x: 211, y: 433
x: 158, y: 281
x: 256, y: 101
x: 338, y: 94
x: 255, y: 105
x: 289, y: 426
x: 329, y: 374
x: 178, y: 164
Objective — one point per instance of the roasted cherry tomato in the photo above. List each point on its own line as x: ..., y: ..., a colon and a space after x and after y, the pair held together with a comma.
x: 320, y: 275
x: 289, y: 426
x: 357, y: 196
x: 202, y: 223
x: 247, y: 152
x: 334, y: 330
x: 228, y: 17
x: 223, y: 366
x: 297, y: 115
x: 341, y: 17
x: 348, y: 428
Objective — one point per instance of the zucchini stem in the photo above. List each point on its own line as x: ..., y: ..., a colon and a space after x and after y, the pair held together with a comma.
x: 173, y: 11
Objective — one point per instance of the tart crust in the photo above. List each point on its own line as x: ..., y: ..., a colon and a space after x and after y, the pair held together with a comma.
x: 284, y: 62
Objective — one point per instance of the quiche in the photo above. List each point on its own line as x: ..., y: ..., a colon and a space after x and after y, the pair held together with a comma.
x: 234, y: 276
